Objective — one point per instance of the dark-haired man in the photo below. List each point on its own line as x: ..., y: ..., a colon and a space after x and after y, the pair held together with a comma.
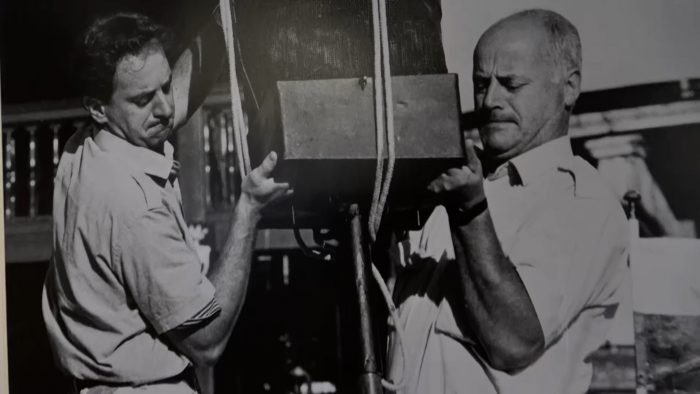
x: 511, y: 287
x: 126, y: 305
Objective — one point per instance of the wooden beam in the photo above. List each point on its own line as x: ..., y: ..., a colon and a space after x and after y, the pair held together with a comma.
x: 31, y: 240
x: 28, y: 240
x: 43, y: 111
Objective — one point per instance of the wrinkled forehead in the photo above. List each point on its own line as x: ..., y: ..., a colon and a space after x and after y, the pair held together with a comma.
x: 142, y: 69
x: 513, y: 46
x: 133, y: 63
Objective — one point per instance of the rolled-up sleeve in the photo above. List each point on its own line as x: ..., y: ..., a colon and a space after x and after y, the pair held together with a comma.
x: 572, y: 258
x: 161, y: 271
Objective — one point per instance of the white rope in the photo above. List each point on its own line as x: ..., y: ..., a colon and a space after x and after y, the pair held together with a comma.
x: 389, y: 100
x: 240, y: 130
x: 379, y: 119
x: 400, y: 333
x: 384, y: 116
x: 384, y: 112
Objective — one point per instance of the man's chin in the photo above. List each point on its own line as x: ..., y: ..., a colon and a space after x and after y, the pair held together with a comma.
x: 499, y: 128
x: 160, y: 132
x: 499, y: 142
x: 157, y: 137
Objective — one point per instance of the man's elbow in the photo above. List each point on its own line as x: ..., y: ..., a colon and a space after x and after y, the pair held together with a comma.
x: 514, y: 358
x: 207, y: 358
x: 198, y: 346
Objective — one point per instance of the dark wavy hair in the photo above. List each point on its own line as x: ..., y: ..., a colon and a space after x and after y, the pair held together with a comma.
x: 107, y: 41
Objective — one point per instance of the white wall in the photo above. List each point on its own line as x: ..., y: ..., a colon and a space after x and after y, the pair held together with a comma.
x: 625, y: 42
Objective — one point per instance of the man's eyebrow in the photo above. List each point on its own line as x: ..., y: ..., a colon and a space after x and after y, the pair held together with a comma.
x: 141, y: 94
x: 146, y: 92
x: 512, y: 77
x: 508, y: 76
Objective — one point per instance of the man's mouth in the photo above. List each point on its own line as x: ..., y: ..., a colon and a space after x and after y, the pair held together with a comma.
x: 497, y: 122
x: 161, y: 127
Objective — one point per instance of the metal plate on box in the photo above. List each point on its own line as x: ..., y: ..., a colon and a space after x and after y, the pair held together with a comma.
x: 324, y: 130
x: 334, y: 119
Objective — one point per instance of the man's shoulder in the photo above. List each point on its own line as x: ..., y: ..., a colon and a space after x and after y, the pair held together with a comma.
x: 581, y: 207
x: 103, y: 182
x: 594, y: 199
x: 590, y: 184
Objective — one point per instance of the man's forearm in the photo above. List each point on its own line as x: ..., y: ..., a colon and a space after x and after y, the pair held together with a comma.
x: 496, y: 301
x: 229, y: 274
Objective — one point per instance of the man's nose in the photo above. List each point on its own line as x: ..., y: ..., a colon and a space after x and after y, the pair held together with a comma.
x: 163, y: 108
x: 493, y: 97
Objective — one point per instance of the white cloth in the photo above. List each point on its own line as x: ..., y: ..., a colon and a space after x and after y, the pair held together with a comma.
x: 567, y: 235
x: 666, y: 276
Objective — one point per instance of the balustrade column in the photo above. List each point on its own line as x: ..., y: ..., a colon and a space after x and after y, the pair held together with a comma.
x: 33, y: 200
x: 10, y: 172
x: 221, y: 136
x: 55, y: 127
x: 206, y: 131
x: 230, y: 162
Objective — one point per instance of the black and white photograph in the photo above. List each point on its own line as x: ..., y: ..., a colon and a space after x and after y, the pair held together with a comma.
x: 350, y: 196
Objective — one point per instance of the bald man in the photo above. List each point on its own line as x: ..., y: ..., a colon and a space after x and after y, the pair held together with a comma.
x: 514, y: 282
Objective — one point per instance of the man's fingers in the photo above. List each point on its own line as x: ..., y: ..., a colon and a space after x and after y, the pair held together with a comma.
x: 454, y: 173
x: 472, y: 159
x: 268, y: 164
x: 437, y: 185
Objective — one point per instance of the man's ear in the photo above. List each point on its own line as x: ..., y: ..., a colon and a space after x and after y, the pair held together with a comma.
x: 96, y: 109
x: 572, y: 88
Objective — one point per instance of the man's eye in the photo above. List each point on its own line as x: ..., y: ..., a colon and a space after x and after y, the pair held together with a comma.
x: 514, y: 85
x: 143, y: 100
x: 166, y: 88
x: 480, y: 86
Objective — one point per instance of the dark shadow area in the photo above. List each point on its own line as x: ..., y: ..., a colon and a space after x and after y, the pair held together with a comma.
x: 31, y: 365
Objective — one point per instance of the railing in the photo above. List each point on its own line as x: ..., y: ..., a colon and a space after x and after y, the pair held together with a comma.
x: 219, y: 150
x: 33, y: 140
x: 33, y: 137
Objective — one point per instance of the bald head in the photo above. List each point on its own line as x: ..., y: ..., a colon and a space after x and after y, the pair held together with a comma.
x: 562, y: 43
x: 526, y: 81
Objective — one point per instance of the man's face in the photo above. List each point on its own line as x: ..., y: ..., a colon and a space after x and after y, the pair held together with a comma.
x: 518, y: 91
x: 141, y: 108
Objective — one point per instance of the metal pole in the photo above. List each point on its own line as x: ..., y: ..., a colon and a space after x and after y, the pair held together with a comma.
x: 369, y: 380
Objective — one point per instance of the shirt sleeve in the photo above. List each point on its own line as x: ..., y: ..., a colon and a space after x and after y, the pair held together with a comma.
x: 163, y: 273
x: 571, y: 258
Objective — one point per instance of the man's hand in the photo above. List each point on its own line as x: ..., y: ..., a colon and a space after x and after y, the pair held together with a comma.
x: 259, y: 189
x: 464, y: 186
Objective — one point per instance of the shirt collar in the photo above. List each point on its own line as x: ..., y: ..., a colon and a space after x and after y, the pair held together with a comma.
x: 146, y: 160
x: 555, y: 154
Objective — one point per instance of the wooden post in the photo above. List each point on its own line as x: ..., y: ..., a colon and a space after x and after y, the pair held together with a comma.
x: 369, y: 381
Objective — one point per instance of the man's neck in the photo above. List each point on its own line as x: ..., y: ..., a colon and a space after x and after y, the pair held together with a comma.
x: 491, y: 163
